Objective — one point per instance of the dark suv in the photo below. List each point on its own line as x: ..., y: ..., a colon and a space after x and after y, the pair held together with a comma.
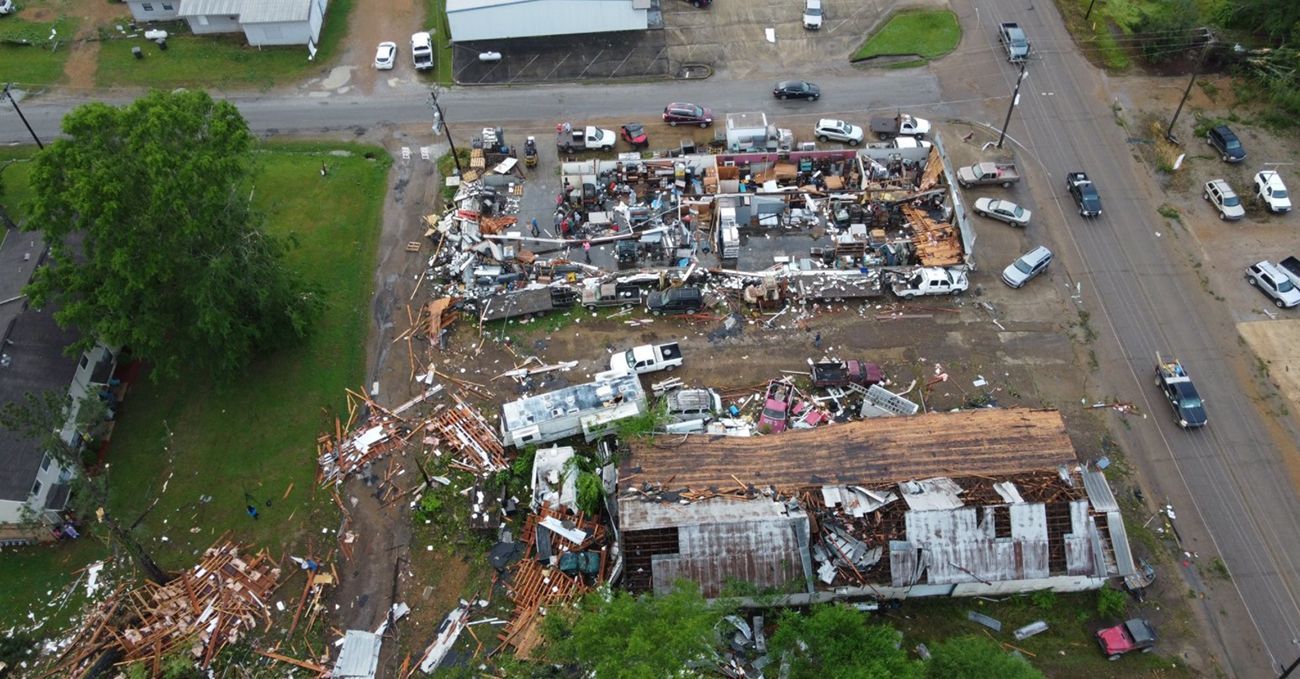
x: 675, y: 301
x: 1227, y: 143
x: 687, y: 114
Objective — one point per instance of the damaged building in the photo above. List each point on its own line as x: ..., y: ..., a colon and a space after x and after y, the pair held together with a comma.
x: 979, y: 502
x: 589, y: 409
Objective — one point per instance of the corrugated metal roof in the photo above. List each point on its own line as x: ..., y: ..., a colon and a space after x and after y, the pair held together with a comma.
x: 638, y: 514
x: 936, y: 493
x: 506, y: 19
x: 1119, y: 544
x: 1079, y: 556
x: 956, y: 547
x: 193, y: 8
x: 360, y: 655
x: 1099, y: 493
x: 272, y: 11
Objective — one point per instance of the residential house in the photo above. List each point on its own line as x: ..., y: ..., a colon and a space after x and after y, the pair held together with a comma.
x: 981, y: 502
x: 263, y: 22
x: 154, y: 10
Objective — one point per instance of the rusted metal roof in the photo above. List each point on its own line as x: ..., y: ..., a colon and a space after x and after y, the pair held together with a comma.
x: 984, y: 442
x: 959, y: 545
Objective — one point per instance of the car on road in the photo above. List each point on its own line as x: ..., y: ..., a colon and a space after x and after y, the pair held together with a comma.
x: 1084, y: 193
x: 1002, y: 210
x: 1274, y: 283
x: 1178, y: 388
x: 1224, y: 200
x: 1270, y: 189
x: 681, y: 113
x: 796, y: 89
x: 386, y: 56
x: 812, y: 14
x: 1225, y: 141
x: 634, y: 134
x: 830, y: 129
x: 1027, y: 266
x: 1133, y: 635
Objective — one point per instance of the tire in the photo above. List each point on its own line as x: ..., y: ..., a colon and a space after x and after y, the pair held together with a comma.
x: 672, y: 123
x: 783, y: 97
x: 853, y: 142
x: 1251, y: 281
x: 670, y: 368
x: 591, y: 308
x: 1226, y: 159
x: 1279, y: 304
x: 1006, y: 185
x: 607, y: 148
x: 815, y: 96
x: 822, y: 138
x: 1206, y: 196
x: 1223, y: 217
x: 568, y: 149
x: 981, y: 213
x: 703, y: 125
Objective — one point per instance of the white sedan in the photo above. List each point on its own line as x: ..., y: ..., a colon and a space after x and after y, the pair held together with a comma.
x: 386, y: 56
x: 829, y: 129
x: 1002, y: 210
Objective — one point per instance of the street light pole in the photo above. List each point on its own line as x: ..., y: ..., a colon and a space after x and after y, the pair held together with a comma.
x: 1169, y: 131
x: 439, y: 121
x: 1015, y: 99
x: 23, y: 117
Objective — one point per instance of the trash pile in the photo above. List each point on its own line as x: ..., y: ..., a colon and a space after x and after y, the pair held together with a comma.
x: 356, y: 444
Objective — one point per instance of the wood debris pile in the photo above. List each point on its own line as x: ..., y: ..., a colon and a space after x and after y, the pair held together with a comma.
x: 201, y: 610
x: 463, y: 429
x: 557, y: 565
x: 378, y: 433
x: 937, y: 244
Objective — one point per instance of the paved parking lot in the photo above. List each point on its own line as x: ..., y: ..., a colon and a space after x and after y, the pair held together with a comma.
x: 631, y: 54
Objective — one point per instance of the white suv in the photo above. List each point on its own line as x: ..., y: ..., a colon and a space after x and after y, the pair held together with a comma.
x: 1271, y: 190
x: 1274, y: 283
x: 812, y: 14
x: 1224, y: 199
x: 829, y: 129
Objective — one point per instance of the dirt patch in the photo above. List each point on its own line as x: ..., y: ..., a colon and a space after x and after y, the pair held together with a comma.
x: 83, y: 60
x: 376, y: 22
x: 1277, y: 344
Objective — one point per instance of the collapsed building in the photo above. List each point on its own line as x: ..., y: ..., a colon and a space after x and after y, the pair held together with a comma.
x: 979, y: 502
x: 589, y: 409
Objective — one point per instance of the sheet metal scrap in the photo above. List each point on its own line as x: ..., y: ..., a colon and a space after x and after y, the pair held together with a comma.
x: 379, y: 432
x: 201, y: 610
x: 463, y: 429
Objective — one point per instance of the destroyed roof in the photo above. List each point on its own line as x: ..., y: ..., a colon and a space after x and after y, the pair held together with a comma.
x: 527, y: 412
x: 359, y: 657
x: 713, y: 541
x: 984, y: 442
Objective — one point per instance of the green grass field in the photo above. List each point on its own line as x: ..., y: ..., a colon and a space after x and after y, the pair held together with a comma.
x: 436, y: 22
x: 257, y: 432
x: 38, y: 63
x: 928, y: 34
x: 219, y: 61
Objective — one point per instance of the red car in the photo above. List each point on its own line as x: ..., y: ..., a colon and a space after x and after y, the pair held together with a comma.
x: 678, y: 113
x: 634, y: 134
x: 776, y: 407
x: 1134, y: 635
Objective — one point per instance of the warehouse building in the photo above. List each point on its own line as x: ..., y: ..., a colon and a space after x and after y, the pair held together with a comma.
x: 510, y: 19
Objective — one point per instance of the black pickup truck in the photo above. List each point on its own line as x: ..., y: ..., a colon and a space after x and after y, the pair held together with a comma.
x: 1177, y: 385
x: 1084, y: 193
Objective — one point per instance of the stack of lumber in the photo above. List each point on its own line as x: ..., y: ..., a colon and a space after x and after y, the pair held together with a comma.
x: 463, y: 429
x: 341, y: 453
x: 936, y: 243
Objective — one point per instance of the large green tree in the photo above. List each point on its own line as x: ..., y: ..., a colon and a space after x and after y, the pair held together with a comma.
x: 972, y: 657
x: 837, y: 642
x: 617, y: 636
x: 153, y: 241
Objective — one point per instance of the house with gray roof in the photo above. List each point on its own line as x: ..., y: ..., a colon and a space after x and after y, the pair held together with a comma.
x: 263, y: 22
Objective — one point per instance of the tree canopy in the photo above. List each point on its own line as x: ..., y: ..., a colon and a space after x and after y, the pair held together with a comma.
x: 836, y: 642
x: 972, y: 657
x: 617, y: 635
x: 153, y: 241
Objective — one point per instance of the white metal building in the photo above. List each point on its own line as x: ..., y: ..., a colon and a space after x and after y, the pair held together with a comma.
x: 506, y: 19
x: 263, y: 22
x: 153, y: 10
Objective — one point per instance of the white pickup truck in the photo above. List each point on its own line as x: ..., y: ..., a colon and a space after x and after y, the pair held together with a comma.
x: 647, y: 358
x: 932, y: 280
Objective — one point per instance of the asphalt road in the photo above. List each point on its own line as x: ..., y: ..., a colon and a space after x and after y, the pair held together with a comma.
x: 1232, y: 493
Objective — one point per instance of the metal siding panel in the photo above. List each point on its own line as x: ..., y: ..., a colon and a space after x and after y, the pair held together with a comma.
x: 1119, y: 544
x: 1099, y: 493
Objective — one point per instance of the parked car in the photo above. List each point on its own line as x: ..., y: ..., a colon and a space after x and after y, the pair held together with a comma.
x: 386, y: 56
x: 1274, y: 283
x: 422, y: 51
x: 1027, y: 266
x: 1013, y: 40
x: 796, y: 89
x: 634, y: 134
x: 675, y: 301
x: 1002, y: 210
x: 678, y: 113
x: 1224, y: 199
x: 7, y: 7
x: 572, y: 138
x: 812, y: 14
x: 1270, y: 189
x: 830, y: 129
x: 647, y: 358
x: 899, y: 125
x: 987, y: 174
x: 1134, y: 635
x: 776, y: 407
x: 931, y: 280
x: 1226, y: 142
x: 844, y: 373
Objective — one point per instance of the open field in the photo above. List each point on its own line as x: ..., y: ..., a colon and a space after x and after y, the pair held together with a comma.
x: 926, y: 33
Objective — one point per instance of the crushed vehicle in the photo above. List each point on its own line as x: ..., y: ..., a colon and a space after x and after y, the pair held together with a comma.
x: 1084, y: 193
x: 610, y: 294
x: 690, y: 409
x: 590, y: 138
x: 842, y: 373
x: 1013, y: 40
x: 1177, y: 386
x: 776, y: 407
x: 988, y: 173
x: 685, y: 300
x: 932, y: 280
x: 1133, y: 635
x: 901, y: 125
x: 647, y: 358
x: 634, y: 134
x: 529, y: 302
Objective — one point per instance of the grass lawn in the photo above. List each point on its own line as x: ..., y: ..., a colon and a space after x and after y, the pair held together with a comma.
x: 928, y: 34
x: 219, y: 61
x: 34, y: 64
x: 15, y: 173
x: 252, y: 440
x: 37, y: 577
x: 436, y: 19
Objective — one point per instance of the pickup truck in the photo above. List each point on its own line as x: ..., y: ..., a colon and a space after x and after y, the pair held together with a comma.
x: 1177, y: 385
x: 1013, y: 40
x: 422, y: 51
x: 932, y: 280
x: 842, y: 373
x: 647, y: 358
x: 1291, y: 267
x: 589, y: 138
x: 988, y: 174
x: 610, y: 294
x: 901, y: 125
x: 1084, y: 193
x: 1134, y: 635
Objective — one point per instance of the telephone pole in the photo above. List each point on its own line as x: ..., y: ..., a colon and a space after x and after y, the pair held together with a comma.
x: 1209, y: 40
x: 440, y: 125
x: 19, y: 111
x: 1015, y: 100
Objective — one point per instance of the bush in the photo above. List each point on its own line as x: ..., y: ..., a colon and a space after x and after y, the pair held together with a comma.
x: 1044, y: 600
x: 1111, y: 603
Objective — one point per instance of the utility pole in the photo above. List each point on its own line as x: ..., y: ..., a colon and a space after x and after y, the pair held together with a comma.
x: 1015, y: 99
x: 440, y: 124
x: 1169, y: 131
x: 19, y: 111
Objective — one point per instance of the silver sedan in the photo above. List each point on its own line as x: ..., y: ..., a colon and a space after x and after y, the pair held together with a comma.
x: 1002, y: 210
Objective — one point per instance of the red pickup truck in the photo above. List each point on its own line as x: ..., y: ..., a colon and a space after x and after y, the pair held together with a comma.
x: 1134, y: 635
x: 841, y: 373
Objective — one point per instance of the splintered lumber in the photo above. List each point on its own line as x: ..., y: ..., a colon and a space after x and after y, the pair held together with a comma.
x: 379, y: 433
x: 937, y: 244
x: 296, y: 662
x: 463, y: 429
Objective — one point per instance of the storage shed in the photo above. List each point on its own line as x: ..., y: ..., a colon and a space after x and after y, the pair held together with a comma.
x: 263, y: 22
